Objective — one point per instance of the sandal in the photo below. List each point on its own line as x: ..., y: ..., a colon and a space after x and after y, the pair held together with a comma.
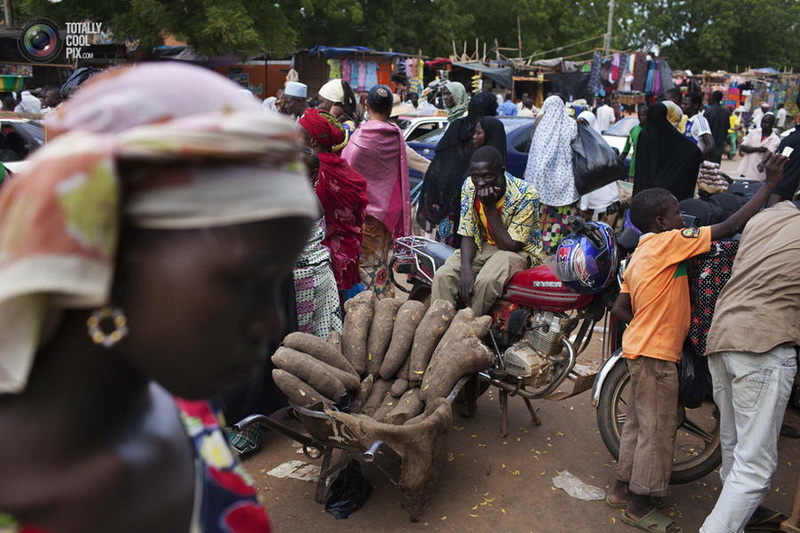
x: 656, y: 502
x: 654, y: 517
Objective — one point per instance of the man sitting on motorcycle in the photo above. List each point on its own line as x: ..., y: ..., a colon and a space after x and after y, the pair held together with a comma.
x: 500, y: 226
x: 654, y: 301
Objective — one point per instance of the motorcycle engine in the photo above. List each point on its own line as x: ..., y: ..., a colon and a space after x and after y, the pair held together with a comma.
x: 532, y: 358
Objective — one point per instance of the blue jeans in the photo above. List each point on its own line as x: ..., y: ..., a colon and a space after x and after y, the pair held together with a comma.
x: 751, y: 392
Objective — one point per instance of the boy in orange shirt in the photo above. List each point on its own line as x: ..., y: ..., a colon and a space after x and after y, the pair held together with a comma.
x: 654, y: 301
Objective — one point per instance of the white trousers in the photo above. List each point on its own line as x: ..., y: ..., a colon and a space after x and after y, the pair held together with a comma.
x: 751, y: 392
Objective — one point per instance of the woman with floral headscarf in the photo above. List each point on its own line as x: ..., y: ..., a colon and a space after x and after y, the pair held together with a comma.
x: 342, y: 192
x: 549, y: 169
x: 138, y: 260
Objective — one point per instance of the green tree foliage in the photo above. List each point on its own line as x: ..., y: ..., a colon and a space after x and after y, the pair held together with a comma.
x: 400, y: 25
x: 695, y: 34
x: 715, y: 34
x: 211, y: 27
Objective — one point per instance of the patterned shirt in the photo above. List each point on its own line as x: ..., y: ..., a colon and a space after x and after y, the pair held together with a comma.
x: 519, y: 213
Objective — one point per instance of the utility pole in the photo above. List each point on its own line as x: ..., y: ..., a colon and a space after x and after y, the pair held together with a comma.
x: 7, y: 16
x: 610, y: 22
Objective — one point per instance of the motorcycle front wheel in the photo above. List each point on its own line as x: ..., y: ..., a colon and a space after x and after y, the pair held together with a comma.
x: 697, y: 448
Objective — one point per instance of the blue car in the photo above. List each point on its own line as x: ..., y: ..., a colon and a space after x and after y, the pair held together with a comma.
x: 519, y: 132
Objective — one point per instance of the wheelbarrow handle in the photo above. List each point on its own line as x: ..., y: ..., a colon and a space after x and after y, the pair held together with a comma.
x: 372, y: 451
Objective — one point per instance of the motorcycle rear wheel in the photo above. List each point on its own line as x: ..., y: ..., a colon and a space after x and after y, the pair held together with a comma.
x: 697, y: 447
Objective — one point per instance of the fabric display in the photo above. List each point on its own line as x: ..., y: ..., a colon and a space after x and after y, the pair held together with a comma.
x: 336, y: 71
x: 708, y: 273
x: 595, y: 78
x: 364, y: 75
x: 639, y: 72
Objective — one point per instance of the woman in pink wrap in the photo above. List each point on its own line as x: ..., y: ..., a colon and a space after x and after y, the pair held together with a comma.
x: 378, y: 152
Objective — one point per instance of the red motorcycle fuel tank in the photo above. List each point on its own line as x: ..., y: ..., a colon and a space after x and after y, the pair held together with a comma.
x: 539, y: 288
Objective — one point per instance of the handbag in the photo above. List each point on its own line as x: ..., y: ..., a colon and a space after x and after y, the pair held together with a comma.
x: 594, y: 163
x: 693, y: 378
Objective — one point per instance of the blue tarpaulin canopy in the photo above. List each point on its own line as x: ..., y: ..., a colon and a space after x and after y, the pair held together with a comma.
x: 333, y: 51
x: 501, y: 76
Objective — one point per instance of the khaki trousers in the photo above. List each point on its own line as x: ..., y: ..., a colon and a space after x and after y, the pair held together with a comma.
x: 646, y: 447
x: 492, y: 267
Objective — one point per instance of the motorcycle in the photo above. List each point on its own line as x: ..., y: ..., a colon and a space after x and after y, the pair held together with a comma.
x: 543, y: 322
x: 539, y: 326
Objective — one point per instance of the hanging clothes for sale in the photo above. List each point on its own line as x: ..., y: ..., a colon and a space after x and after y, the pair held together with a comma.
x: 361, y: 81
x: 648, y: 84
x: 666, y: 76
x: 353, y: 81
x: 336, y: 71
x: 345, y: 69
x: 595, y: 78
x: 639, y: 72
x: 614, y: 68
x: 372, y: 76
x: 657, y: 79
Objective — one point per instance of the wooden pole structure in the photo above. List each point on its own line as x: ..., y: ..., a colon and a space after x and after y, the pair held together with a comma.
x: 519, y: 37
x: 610, y: 25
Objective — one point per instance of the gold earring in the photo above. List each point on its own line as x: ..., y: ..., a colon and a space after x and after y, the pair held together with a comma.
x: 97, y: 333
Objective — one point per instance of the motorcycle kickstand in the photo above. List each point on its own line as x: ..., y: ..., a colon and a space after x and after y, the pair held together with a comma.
x: 504, y: 413
x: 534, y: 419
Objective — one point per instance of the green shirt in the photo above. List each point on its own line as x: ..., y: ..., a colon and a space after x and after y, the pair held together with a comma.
x: 630, y: 146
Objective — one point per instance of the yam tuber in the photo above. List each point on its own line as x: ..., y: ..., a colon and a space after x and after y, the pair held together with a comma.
x: 462, y: 358
x: 430, y: 331
x: 318, y: 348
x: 408, y: 406
x: 376, y: 395
x: 299, y: 392
x: 319, y: 375
x: 363, y: 393
x: 405, y: 325
x: 355, y: 331
x: 399, y: 387
x: 380, y: 332
x: 335, y: 340
x: 464, y: 325
x: 389, y: 402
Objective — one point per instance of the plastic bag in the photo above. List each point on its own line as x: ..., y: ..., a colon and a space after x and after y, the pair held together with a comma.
x: 348, y: 492
x: 594, y: 163
x: 576, y: 488
x: 693, y: 377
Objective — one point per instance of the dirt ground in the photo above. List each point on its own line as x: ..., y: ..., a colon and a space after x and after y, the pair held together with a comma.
x: 490, y: 483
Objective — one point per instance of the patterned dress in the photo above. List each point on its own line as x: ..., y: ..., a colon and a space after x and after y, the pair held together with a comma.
x: 318, y: 307
x: 225, y: 500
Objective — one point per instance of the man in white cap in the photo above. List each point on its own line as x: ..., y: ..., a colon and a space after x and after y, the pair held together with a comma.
x: 294, y: 101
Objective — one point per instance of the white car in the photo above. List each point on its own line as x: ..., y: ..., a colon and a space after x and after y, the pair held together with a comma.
x: 416, y: 126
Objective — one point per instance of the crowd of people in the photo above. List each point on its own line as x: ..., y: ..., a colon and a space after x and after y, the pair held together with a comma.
x: 124, y: 214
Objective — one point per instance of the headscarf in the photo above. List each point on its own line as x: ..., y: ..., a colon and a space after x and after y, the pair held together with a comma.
x: 59, y: 222
x: 323, y: 127
x: 460, y: 98
x: 590, y: 119
x: 664, y: 157
x: 549, y: 167
x: 378, y: 152
x: 333, y: 91
x: 674, y: 112
x: 494, y: 135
